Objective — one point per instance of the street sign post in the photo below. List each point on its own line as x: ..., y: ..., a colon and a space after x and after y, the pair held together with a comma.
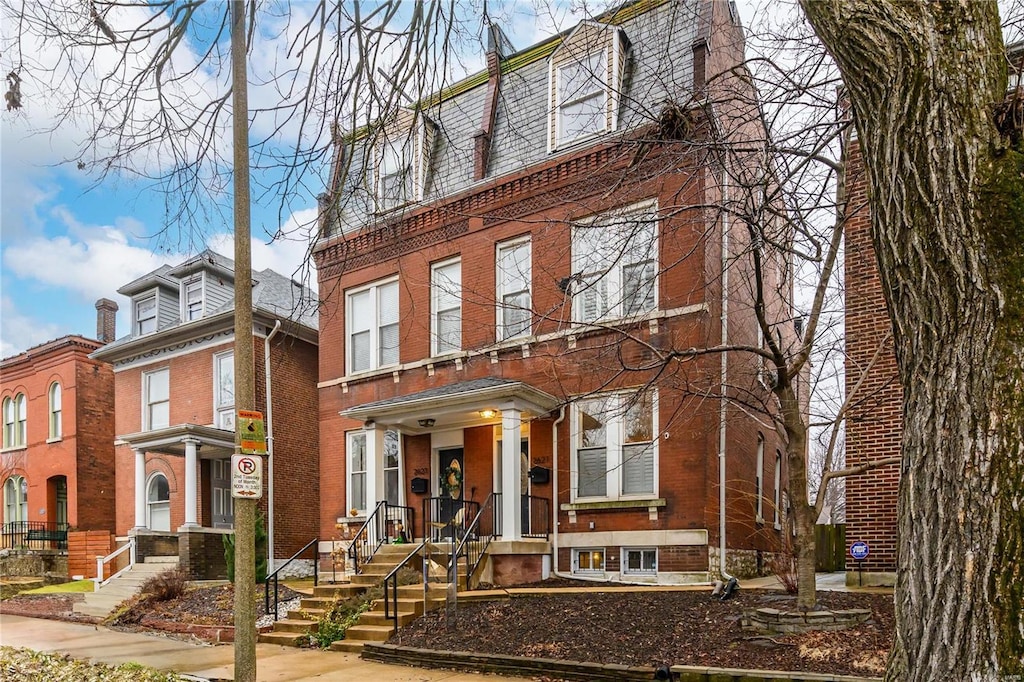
x: 859, y: 551
x: 247, y: 477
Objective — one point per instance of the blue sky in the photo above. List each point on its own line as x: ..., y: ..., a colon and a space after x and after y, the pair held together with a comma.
x: 68, y: 238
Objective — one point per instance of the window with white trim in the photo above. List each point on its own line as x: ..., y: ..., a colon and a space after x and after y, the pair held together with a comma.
x: 639, y: 560
x: 777, y: 516
x: 355, y: 446
x: 15, y: 499
x: 394, y: 173
x: 156, y: 399
x: 371, y: 315
x: 446, y: 307
x: 615, y: 449
x: 513, y: 284
x: 54, y: 399
x: 15, y: 421
x: 615, y: 263
x: 582, y: 97
x: 224, y: 391
x: 158, y: 503
x: 588, y: 560
x: 392, y: 475
x: 192, y: 301
x: 759, y: 481
x: 144, y: 311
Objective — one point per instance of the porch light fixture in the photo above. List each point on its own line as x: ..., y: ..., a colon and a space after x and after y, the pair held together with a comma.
x: 426, y: 423
x: 488, y: 413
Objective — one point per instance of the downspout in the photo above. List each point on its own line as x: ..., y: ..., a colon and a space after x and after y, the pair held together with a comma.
x: 554, y: 485
x: 270, y: 447
x: 724, y: 374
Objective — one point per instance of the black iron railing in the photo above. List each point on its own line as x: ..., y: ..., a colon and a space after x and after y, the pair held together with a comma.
x: 391, y: 581
x: 387, y: 523
x: 536, y: 516
x: 272, y: 578
x: 445, y: 518
x: 472, y: 547
x: 34, y: 535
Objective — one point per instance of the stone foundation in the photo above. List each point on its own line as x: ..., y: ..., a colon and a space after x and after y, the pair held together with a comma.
x: 49, y: 564
x: 741, y: 563
x: 775, y: 622
x: 299, y: 568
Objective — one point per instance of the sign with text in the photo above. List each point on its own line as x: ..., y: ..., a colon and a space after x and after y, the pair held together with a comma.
x: 253, y: 437
x: 246, y: 477
x: 859, y: 551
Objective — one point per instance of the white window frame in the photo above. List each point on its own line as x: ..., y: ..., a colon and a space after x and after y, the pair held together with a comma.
x: 388, y: 151
x: 16, y: 499
x: 589, y: 552
x: 375, y: 327
x: 15, y: 421
x: 624, y: 564
x: 777, y: 522
x: 137, y: 320
x: 223, y: 412
x: 759, y: 481
x: 442, y: 285
x: 397, y: 469
x: 619, y: 247
x: 505, y: 279
x: 54, y: 398
x: 595, y: 86
x: 351, y: 473
x: 152, y: 503
x: 148, y: 404
x: 186, y: 307
x: 615, y: 436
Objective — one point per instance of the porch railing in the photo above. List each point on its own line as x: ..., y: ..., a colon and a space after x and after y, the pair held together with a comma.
x: 101, y: 561
x: 387, y: 522
x: 34, y: 535
x: 472, y: 547
x: 536, y: 517
x: 446, y: 518
x: 273, y: 577
x: 391, y: 581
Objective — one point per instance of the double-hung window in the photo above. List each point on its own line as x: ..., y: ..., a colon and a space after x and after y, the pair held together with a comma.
x: 372, y: 322
x: 224, y: 391
x: 15, y: 421
x: 615, y: 446
x: 356, y: 449
x: 446, y: 307
x: 640, y: 561
x: 513, y: 278
x: 193, y: 300
x: 582, y: 94
x: 156, y: 400
x: 145, y: 315
x: 395, y: 173
x: 759, y: 481
x: 54, y: 398
x: 392, y: 475
x: 777, y: 512
x: 614, y: 262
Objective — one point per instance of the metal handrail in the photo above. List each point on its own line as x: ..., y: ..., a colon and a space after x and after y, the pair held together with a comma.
x: 273, y: 576
x: 375, y: 531
x: 473, y: 546
x: 392, y: 579
x: 101, y: 560
x: 537, y: 506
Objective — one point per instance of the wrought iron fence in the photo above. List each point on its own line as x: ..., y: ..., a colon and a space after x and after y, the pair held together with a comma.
x: 34, y: 535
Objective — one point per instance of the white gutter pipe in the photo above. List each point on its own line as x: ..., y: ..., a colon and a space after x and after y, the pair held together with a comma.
x: 724, y: 373
x: 554, y: 484
x: 270, y: 447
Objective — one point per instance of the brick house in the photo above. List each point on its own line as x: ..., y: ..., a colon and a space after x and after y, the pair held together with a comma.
x: 57, y: 461
x: 175, y: 412
x: 501, y: 268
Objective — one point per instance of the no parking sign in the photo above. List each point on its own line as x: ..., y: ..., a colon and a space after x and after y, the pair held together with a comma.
x: 247, y: 476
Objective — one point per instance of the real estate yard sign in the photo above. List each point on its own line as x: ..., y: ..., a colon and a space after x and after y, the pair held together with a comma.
x: 247, y: 476
x: 253, y: 436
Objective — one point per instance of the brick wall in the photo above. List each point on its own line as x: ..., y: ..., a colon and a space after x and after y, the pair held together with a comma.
x: 874, y: 426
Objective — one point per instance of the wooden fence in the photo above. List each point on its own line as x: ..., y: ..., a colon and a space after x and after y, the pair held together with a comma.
x: 830, y: 544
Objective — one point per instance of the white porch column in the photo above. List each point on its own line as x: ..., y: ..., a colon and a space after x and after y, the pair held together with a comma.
x: 191, y: 482
x: 140, y: 488
x: 374, y: 465
x: 511, y: 484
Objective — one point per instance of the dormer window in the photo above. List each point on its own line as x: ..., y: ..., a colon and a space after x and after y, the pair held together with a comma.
x: 193, y: 300
x: 401, y: 156
x: 394, y: 186
x: 145, y: 315
x: 586, y: 83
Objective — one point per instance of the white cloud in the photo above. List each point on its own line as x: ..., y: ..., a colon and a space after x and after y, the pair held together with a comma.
x: 19, y: 331
x: 287, y: 255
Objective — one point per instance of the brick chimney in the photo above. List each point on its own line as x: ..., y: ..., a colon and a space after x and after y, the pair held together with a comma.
x: 106, y: 320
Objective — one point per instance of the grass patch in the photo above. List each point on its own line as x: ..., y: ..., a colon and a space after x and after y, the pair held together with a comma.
x: 72, y: 587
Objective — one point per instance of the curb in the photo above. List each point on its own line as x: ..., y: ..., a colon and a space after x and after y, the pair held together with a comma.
x: 522, y: 666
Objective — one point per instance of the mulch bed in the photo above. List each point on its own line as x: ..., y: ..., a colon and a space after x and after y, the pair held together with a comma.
x: 213, y: 605
x: 647, y: 628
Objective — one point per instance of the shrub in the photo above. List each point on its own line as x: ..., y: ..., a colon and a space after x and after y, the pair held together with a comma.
x: 167, y: 585
x: 261, y: 551
x: 345, y: 613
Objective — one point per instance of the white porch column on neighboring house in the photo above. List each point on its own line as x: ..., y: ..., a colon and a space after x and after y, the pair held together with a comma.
x: 140, y: 488
x: 374, y: 465
x: 511, y: 483
x: 191, y: 482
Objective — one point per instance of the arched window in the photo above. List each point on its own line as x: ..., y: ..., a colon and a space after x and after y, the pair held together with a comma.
x: 55, y: 410
x: 8, y: 423
x: 21, y: 414
x: 15, y: 500
x: 158, y: 503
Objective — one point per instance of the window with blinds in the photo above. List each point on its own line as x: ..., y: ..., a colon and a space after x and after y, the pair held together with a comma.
x: 513, y: 295
x: 356, y: 494
x: 446, y: 307
x: 371, y: 319
x: 615, y: 446
x: 614, y: 263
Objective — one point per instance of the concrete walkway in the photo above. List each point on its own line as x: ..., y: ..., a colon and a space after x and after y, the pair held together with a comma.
x: 274, y: 663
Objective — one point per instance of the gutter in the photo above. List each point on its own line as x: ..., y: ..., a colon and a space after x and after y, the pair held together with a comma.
x: 270, y: 447
x: 724, y: 376
x: 554, y: 485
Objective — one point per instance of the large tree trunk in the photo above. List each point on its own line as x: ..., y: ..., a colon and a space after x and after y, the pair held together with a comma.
x: 803, y: 512
x: 947, y: 201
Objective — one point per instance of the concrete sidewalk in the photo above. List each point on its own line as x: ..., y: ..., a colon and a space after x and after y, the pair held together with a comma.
x: 274, y: 663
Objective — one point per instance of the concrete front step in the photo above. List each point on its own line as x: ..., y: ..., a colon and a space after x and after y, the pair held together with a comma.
x: 293, y: 639
x: 378, y: 618
x: 369, y: 633
x: 307, y: 614
x: 338, y: 591
x: 348, y: 646
x: 160, y: 560
x: 298, y: 625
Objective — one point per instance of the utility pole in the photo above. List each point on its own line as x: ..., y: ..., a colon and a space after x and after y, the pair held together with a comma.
x: 245, y: 385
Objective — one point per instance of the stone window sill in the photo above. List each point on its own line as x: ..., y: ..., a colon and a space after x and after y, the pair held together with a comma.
x: 612, y: 505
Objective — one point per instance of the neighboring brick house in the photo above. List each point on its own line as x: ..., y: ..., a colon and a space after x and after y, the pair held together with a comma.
x: 175, y: 411
x: 57, y: 462
x: 501, y: 268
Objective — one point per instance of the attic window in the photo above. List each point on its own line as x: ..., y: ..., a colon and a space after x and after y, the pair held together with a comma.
x: 193, y: 299
x: 401, y: 157
x: 394, y: 171
x: 586, y: 82
x: 145, y: 315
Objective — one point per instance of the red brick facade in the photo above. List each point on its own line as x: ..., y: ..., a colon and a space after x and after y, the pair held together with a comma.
x: 81, y: 455
x: 874, y: 426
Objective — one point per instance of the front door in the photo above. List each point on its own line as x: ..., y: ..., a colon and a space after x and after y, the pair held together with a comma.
x: 221, y: 502
x: 451, y: 488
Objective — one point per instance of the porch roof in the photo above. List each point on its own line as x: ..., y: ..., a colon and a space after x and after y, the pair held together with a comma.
x: 454, y: 405
x: 213, y: 443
